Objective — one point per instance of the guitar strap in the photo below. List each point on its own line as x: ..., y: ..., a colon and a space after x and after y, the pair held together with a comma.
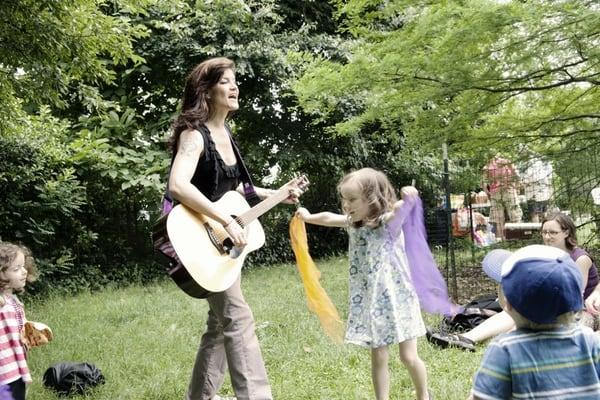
x: 249, y: 191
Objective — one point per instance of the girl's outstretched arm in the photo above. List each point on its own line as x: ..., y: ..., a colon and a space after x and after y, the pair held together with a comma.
x: 325, y: 218
x: 406, y: 192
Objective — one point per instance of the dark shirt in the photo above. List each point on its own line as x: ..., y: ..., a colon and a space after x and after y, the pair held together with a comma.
x: 213, y: 177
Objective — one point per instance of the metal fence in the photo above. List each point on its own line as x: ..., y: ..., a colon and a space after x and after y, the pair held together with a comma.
x: 505, y: 209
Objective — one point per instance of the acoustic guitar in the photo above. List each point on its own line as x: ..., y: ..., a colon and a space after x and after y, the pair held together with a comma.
x: 197, y: 251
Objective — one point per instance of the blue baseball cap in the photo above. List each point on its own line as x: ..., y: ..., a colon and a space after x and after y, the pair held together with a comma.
x: 540, y: 282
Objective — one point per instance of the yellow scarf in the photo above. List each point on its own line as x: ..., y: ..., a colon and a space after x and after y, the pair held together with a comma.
x: 316, y: 297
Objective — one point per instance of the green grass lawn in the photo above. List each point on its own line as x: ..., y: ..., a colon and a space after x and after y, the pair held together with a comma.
x: 144, y: 339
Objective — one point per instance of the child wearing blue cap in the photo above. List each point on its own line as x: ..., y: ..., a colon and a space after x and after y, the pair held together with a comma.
x: 548, y: 356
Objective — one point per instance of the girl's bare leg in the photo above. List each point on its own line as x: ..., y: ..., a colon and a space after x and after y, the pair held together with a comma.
x: 415, y: 366
x: 380, y: 372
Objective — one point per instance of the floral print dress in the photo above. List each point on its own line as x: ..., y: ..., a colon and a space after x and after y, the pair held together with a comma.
x: 384, y: 307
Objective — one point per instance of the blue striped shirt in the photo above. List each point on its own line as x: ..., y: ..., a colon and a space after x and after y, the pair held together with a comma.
x: 524, y: 364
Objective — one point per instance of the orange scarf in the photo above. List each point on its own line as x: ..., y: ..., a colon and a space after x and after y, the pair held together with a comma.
x: 316, y: 297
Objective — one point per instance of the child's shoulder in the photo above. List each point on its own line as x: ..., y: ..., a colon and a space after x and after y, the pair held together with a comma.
x: 506, y: 338
x: 527, y: 336
x: 8, y: 299
x: 588, y: 341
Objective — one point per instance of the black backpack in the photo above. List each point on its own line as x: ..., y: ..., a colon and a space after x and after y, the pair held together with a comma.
x: 69, y: 378
x: 475, y: 312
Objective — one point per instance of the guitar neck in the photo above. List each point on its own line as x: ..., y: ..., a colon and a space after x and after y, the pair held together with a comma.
x: 263, y: 206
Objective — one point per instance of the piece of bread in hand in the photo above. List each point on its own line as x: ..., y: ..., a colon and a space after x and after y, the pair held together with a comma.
x: 36, y: 334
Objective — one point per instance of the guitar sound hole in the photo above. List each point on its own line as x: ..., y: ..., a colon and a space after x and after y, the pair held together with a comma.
x: 227, y: 245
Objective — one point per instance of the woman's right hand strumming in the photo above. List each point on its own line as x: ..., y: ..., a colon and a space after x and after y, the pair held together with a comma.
x: 236, y: 233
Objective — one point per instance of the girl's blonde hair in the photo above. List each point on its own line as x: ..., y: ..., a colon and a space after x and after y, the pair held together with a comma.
x: 375, y: 189
x: 8, y: 254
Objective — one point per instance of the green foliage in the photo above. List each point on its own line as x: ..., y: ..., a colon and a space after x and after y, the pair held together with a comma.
x: 474, y: 74
x: 57, y: 202
x: 116, y: 147
x: 576, y: 173
x: 50, y: 47
x: 55, y: 55
x: 40, y: 191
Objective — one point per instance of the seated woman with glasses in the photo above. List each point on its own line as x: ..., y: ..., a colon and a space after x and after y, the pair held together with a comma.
x: 558, y: 230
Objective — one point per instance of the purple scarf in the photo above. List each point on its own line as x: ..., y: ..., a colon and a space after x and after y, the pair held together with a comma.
x: 426, y: 277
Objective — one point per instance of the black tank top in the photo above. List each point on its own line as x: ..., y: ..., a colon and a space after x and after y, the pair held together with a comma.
x: 213, y: 177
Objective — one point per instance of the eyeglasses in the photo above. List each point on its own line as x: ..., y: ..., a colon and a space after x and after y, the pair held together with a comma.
x: 551, y: 233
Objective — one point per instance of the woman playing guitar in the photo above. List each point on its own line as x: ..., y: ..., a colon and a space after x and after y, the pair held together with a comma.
x: 206, y: 165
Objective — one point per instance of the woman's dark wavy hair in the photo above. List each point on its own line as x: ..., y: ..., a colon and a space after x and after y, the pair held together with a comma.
x: 195, y: 108
x: 566, y: 224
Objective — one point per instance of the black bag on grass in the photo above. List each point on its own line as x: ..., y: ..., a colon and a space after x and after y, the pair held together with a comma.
x: 475, y: 312
x: 69, y: 378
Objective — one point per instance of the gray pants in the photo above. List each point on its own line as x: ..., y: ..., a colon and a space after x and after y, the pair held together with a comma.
x: 229, y: 340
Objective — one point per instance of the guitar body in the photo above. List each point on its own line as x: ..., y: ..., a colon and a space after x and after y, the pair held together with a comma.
x: 200, y: 265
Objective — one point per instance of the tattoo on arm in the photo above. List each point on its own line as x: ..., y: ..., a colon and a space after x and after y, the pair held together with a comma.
x: 188, y: 146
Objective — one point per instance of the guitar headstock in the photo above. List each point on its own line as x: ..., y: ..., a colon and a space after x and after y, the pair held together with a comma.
x: 301, y: 182
x: 293, y: 189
